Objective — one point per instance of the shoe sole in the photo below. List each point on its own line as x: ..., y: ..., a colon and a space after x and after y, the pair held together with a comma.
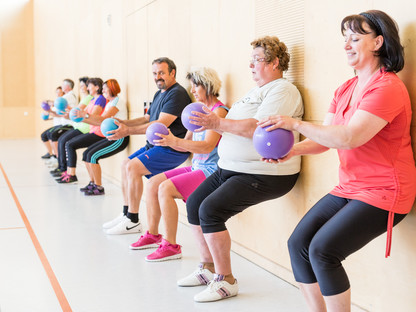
x: 222, y: 298
x: 75, y: 182
x: 85, y: 193
x: 174, y: 257
x: 130, y: 232
x: 149, y: 246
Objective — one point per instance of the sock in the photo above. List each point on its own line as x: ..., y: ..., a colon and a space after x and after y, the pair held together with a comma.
x: 229, y: 278
x: 209, y: 266
x: 125, y: 209
x: 134, y: 217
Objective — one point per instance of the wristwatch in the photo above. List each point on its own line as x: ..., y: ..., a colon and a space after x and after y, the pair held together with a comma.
x: 87, y: 115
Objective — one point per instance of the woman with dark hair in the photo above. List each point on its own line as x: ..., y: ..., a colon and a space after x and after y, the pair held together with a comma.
x: 104, y: 148
x: 368, y: 122
x: 94, y: 108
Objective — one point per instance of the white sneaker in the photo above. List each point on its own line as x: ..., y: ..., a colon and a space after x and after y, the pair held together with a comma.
x: 52, y: 163
x: 114, y: 222
x: 125, y: 226
x: 196, y: 278
x: 217, y: 289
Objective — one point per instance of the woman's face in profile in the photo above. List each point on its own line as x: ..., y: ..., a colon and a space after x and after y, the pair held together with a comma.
x: 360, y: 47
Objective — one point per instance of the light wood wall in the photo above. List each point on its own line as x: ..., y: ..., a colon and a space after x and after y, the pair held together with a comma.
x: 114, y: 39
x: 17, y: 118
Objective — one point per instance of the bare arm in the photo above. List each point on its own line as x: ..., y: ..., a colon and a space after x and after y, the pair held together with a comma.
x: 210, y: 120
x: 200, y: 147
x: 126, y: 129
x: 96, y: 120
x: 362, y: 127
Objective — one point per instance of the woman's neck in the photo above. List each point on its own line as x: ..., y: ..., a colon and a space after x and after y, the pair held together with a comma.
x: 211, y: 101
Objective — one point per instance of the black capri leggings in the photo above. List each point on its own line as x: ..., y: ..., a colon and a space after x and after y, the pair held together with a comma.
x: 333, y: 229
x: 80, y: 141
x: 226, y: 193
x: 54, y: 133
x: 67, y: 136
x: 104, y: 149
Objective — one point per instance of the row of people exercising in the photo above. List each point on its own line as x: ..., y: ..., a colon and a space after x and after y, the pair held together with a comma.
x: 99, y: 100
x: 368, y: 122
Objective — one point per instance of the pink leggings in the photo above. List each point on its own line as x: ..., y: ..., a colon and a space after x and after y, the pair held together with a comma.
x: 185, y: 180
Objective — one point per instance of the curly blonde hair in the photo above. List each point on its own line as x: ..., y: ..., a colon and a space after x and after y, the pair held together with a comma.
x: 207, y: 78
x: 273, y: 48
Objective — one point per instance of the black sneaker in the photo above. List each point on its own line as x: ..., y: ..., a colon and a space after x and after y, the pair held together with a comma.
x: 56, y: 172
x: 88, y: 187
x: 67, y: 179
x: 47, y: 156
x: 96, y: 190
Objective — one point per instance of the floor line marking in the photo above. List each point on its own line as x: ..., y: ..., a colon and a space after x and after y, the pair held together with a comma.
x: 48, y: 269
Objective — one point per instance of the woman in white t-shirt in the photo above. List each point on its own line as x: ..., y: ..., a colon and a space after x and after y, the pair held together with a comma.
x: 104, y: 148
x: 242, y: 179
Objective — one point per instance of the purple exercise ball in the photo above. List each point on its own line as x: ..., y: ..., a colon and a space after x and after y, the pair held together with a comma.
x: 45, y: 106
x: 187, y: 112
x: 274, y: 144
x: 156, y: 127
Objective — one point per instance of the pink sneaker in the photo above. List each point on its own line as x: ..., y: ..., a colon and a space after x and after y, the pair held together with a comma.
x: 166, y: 251
x: 147, y: 241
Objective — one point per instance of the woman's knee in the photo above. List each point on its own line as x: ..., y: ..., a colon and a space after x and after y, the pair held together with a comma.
x: 297, y: 244
x: 192, y: 208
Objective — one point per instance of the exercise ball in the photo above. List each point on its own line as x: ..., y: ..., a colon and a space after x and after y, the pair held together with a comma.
x: 60, y: 104
x: 73, y: 115
x: 108, y: 125
x: 45, y: 106
x: 44, y: 116
x: 273, y: 144
x: 187, y: 112
x: 156, y: 127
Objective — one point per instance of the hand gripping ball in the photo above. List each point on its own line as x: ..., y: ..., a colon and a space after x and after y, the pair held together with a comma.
x: 73, y: 115
x: 156, y: 127
x: 108, y: 125
x: 187, y: 112
x: 274, y: 144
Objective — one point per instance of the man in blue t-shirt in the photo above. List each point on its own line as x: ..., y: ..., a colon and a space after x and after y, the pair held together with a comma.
x: 167, y: 106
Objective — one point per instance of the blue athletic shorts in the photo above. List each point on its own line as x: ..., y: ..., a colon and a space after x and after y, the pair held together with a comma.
x: 159, y: 159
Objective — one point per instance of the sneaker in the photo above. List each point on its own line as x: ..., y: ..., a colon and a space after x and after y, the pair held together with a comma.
x: 68, y: 179
x: 63, y: 174
x: 51, y: 161
x: 197, y: 278
x: 56, y: 172
x: 114, y: 222
x: 125, y: 226
x: 166, y: 251
x: 217, y: 289
x: 96, y: 190
x: 89, y: 186
x: 147, y: 241
x: 46, y: 156
x: 54, y: 164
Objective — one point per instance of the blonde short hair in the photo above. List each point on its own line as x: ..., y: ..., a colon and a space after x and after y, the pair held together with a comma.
x: 207, y: 78
x: 273, y: 48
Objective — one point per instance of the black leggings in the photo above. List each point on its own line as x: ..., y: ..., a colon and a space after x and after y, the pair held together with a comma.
x: 54, y: 133
x: 333, y: 229
x: 104, y: 149
x: 80, y: 141
x: 61, y: 147
x: 226, y: 193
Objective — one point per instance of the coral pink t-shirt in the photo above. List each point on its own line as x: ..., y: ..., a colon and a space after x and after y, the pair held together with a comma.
x: 382, y: 171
